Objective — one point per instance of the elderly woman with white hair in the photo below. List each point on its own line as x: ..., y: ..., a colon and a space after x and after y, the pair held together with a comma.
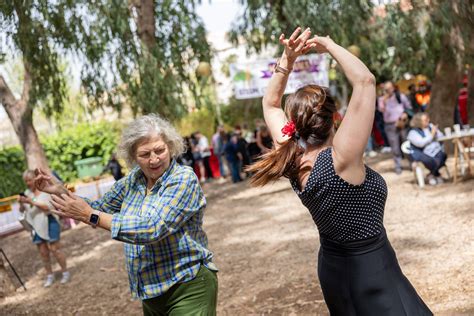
x: 157, y: 210
x: 425, y: 146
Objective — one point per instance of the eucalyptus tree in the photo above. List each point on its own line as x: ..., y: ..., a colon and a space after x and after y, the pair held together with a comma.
x: 431, y: 37
x: 139, y: 52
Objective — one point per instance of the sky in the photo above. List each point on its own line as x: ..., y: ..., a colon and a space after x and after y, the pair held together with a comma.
x: 218, y: 15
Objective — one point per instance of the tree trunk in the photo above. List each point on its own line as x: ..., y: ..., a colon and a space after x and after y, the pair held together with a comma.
x: 6, y: 285
x: 21, y: 117
x: 470, y: 96
x: 145, y: 20
x: 446, y: 83
x: 444, y: 91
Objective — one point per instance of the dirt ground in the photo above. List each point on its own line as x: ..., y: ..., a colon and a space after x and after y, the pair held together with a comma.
x: 265, y: 245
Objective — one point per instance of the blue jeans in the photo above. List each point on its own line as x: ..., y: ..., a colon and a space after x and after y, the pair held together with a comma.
x: 54, y: 231
x: 221, y: 158
x: 235, y: 171
x: 433, y: 164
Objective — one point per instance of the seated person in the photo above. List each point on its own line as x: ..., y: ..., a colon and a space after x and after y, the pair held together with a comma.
x: 426, y: 148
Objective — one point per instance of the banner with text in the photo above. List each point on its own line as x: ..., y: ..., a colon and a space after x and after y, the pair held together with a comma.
x: 250, y: 80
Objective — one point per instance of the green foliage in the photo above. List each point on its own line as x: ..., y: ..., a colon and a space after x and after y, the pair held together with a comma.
x: 262, y: 22
x: 12, y: 165
x: 102, y: 36
x: 62, y: 150
x: 203, y: 120
x: 240, y: 112
x: 414, y: 36
x: 79, y: 142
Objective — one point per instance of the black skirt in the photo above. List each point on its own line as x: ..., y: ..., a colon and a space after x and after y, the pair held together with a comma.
x: 364, y: 278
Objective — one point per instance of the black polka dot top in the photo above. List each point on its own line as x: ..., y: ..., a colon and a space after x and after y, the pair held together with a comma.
x: 343, y: 211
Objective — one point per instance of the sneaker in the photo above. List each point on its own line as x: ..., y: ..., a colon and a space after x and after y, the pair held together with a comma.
x: 386, y: 149
x: 439, y: 180
x: 49, y: 280
x: 372, y: 154
x: 66, y: 277
x: 398, y: 170
x: 432, y: 180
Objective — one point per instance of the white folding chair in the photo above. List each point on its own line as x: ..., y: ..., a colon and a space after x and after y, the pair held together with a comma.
x: 415, y: 165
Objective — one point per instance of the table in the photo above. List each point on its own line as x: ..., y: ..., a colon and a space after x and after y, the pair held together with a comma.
x: 461, y: 156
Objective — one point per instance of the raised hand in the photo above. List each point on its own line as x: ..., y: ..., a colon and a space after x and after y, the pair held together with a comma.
x: 320, y: 43
x: 296, y: 45
x: 47, y: 183
x: 70, y: 205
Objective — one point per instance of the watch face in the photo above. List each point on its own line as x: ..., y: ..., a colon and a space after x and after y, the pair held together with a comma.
x: 94, y: 219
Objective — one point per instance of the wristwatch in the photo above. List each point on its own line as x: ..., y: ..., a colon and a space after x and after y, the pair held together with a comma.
x: 94, y: 219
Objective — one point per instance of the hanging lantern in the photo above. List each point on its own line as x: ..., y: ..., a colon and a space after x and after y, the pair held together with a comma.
x: 355, y: 50
x: 203, y: 69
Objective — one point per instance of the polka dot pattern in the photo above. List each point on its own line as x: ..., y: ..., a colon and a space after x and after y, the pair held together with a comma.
x: 343, y: 211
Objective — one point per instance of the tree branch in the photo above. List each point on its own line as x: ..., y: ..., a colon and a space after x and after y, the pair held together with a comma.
x: 25, y: 95
x: 7, y: 99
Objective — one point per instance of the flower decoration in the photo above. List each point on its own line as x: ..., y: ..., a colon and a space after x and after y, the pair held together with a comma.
x: 289, y: 129
x: 337, y: 119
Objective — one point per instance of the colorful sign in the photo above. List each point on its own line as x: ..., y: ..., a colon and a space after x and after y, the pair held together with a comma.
x: 250, y: 80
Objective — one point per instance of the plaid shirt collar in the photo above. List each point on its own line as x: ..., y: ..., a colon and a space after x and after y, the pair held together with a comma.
x: 140, y: 179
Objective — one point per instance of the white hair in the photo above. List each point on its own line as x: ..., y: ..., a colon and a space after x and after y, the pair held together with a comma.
x: 29, y: 174
x: 145, y: 127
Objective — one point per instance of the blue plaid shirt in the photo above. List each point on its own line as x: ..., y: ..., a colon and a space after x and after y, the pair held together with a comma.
x: 164, y: 240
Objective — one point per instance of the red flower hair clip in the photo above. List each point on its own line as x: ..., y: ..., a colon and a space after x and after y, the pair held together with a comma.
x: 289, y: 129
x: 337, y: 119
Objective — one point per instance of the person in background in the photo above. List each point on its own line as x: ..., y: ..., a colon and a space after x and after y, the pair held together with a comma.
x: 114, y: 167
x: 412, y: 97
x: 461, y: 116
x: 187, y: 157
x: 46, y: 229
x: 425, y: 147
x: 218, y: 146
x: 242, y: 148
x: 380, y: 136
x: 264, y: 139
x: 394, y: 106
x: 247, y: 133
x: 233, y: 157
x: 202, y: 147
x: 423, y: 95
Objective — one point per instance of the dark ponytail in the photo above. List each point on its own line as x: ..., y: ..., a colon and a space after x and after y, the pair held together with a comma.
x: 275, y: 164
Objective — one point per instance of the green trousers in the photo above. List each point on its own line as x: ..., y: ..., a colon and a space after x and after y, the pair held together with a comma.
x: 196, y: 297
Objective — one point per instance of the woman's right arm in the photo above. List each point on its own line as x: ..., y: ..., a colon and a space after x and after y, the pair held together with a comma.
x: 272, y: 111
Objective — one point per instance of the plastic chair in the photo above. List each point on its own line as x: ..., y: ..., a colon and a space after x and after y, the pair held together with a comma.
x: 417, y: 166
